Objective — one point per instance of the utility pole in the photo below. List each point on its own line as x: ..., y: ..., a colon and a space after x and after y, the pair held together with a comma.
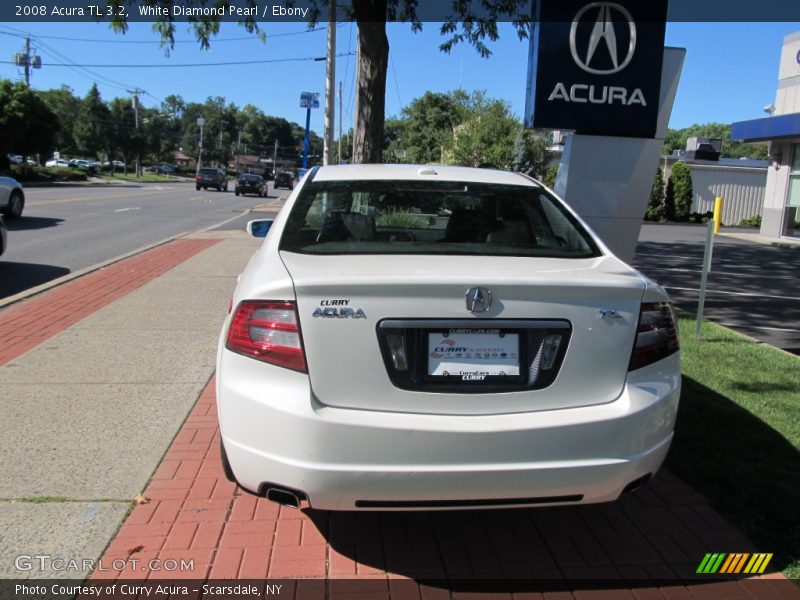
x: 135, y: 93
x: 340, y: 122
x: 238, y: 150
x: 358, y: 84
x: 27, y: 61
x: 330, y: 77
x: 201, y: 121
x: 275, y: 160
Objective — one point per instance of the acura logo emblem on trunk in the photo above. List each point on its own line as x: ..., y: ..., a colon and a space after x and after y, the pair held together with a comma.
x: 478, y: 299
x: 602, y: 30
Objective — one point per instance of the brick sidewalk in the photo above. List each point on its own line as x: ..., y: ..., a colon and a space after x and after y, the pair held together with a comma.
x: 649, y: 540
x: 25, y: 325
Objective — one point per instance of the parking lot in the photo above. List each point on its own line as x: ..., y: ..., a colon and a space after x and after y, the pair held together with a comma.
x: 752, y: 287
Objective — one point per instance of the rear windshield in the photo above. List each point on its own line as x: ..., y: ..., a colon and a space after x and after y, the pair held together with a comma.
x: 401, y: 217
x: 207, y: 171
x: 250, y: 178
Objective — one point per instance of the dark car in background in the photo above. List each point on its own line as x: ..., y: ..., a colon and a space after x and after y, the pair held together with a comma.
x: 250, y: 183
x: 211, y: 177
x: 284, y: 179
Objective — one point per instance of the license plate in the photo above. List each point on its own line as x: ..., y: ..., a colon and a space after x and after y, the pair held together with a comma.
x: 473, y: 354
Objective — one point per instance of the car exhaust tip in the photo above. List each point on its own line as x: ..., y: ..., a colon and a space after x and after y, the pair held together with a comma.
x: 283, y: 496
x: 636, y: 484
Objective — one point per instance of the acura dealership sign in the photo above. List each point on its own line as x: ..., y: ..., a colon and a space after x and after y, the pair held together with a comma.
x: 595, y: 67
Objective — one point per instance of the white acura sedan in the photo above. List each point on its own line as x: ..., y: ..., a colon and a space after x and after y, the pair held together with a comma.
x: 414, y: 337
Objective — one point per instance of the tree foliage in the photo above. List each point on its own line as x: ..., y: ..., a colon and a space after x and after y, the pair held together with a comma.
x: 655, y: 206
x: 93, y: 128
x: 28, y: 125
x: 486, y: 137
x: 464, y: 25
x: 678, y: 197
x: 676, y: 140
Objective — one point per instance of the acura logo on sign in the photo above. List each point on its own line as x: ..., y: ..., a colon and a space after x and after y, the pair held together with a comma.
x: 594, y: 61
x: 478, y: 299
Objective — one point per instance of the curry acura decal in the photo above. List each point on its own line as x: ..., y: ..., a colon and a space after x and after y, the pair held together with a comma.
x: 337, y: 309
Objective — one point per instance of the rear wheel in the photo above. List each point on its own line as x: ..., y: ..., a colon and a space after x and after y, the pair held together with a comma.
x: 197, y: 187
x: 236, y: 192
x: 15, y: 205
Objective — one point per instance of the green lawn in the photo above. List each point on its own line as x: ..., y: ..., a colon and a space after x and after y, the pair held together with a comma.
x: 738, y: 436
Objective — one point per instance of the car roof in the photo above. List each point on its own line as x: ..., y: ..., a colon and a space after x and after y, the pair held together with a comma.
x: 420, y: 173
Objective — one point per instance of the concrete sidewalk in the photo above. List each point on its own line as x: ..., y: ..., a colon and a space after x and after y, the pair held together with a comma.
x: 97, y: 376
x: 95, y: 389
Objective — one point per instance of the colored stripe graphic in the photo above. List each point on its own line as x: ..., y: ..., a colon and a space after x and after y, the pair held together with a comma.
x: 734, y: 563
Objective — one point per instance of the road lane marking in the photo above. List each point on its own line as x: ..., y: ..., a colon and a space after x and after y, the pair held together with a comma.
x: 126, y: 209
x: 749, y: 295
x: 759, y: 327
x: 90, y: 198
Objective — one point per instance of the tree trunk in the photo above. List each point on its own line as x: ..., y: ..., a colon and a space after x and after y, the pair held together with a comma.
x: 373, y: 48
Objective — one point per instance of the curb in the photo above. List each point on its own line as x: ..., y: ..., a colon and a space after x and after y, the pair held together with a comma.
x: 25, y: 294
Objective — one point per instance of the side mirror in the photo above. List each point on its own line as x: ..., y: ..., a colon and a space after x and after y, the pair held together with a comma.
x: 259, y: 227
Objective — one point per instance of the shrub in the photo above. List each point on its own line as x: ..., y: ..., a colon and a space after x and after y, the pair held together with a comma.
x: 655, y: 206
x: 754, y: 221
x: 678, y: 199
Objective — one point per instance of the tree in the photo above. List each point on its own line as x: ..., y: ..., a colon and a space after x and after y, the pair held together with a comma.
x: 486, y: 138
x: 655, y: 206
x: 678, y: 198
x: 530, y: 153
x: 463, y: 25
x: 27, y: 123
x: 93, y: 127
x: 66, y: 106
x: 429, y: 122
x: 124, y: 139
x: 676, y: 140
x: 551, y: 175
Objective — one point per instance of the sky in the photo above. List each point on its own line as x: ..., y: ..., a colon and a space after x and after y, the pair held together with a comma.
x: 730, y: 72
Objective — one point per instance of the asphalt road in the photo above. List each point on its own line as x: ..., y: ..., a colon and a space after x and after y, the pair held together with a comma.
x: 68, y: 228
x: 752, y: 288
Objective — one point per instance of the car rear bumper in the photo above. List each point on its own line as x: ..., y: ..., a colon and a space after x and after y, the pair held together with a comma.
x: 354, y: 459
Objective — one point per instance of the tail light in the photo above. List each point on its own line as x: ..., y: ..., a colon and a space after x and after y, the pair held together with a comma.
x: 656, y: 335
x: 268, y: 331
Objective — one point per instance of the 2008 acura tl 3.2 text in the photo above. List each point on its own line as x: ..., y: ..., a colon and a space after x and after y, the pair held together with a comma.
x: 416, y: 337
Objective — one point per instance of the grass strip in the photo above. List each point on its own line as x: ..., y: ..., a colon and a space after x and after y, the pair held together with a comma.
x: 737, y: 440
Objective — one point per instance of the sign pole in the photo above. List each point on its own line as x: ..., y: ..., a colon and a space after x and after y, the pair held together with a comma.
x: 305, y: 141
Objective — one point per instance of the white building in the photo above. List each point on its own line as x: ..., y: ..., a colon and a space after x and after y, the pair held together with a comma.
x: 782, y: 130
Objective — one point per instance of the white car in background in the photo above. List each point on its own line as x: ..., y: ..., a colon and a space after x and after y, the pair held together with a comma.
x: 414, y: 337
x: 12, y: 198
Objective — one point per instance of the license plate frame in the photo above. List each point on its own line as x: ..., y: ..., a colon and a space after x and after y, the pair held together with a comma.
x: 474, y: 356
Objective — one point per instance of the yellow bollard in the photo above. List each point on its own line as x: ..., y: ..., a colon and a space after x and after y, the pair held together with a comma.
x: 718, y: 202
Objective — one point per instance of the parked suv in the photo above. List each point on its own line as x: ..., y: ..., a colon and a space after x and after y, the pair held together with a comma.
x: 211, y: 177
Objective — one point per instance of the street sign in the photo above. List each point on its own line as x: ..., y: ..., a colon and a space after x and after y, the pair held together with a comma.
x: 309, y: 100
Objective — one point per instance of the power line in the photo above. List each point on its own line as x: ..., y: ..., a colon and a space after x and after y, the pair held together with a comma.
x: 185, y: 65
x: 121, y: 41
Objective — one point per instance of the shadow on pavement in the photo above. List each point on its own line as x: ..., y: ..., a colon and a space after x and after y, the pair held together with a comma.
x: 16, y: 277
x: 749, y: 470
x: 25, y: 223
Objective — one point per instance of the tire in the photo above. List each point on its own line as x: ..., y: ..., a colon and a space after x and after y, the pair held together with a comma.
x: 237, y: 193
x: 16, y: 202
x: 197, y: 187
